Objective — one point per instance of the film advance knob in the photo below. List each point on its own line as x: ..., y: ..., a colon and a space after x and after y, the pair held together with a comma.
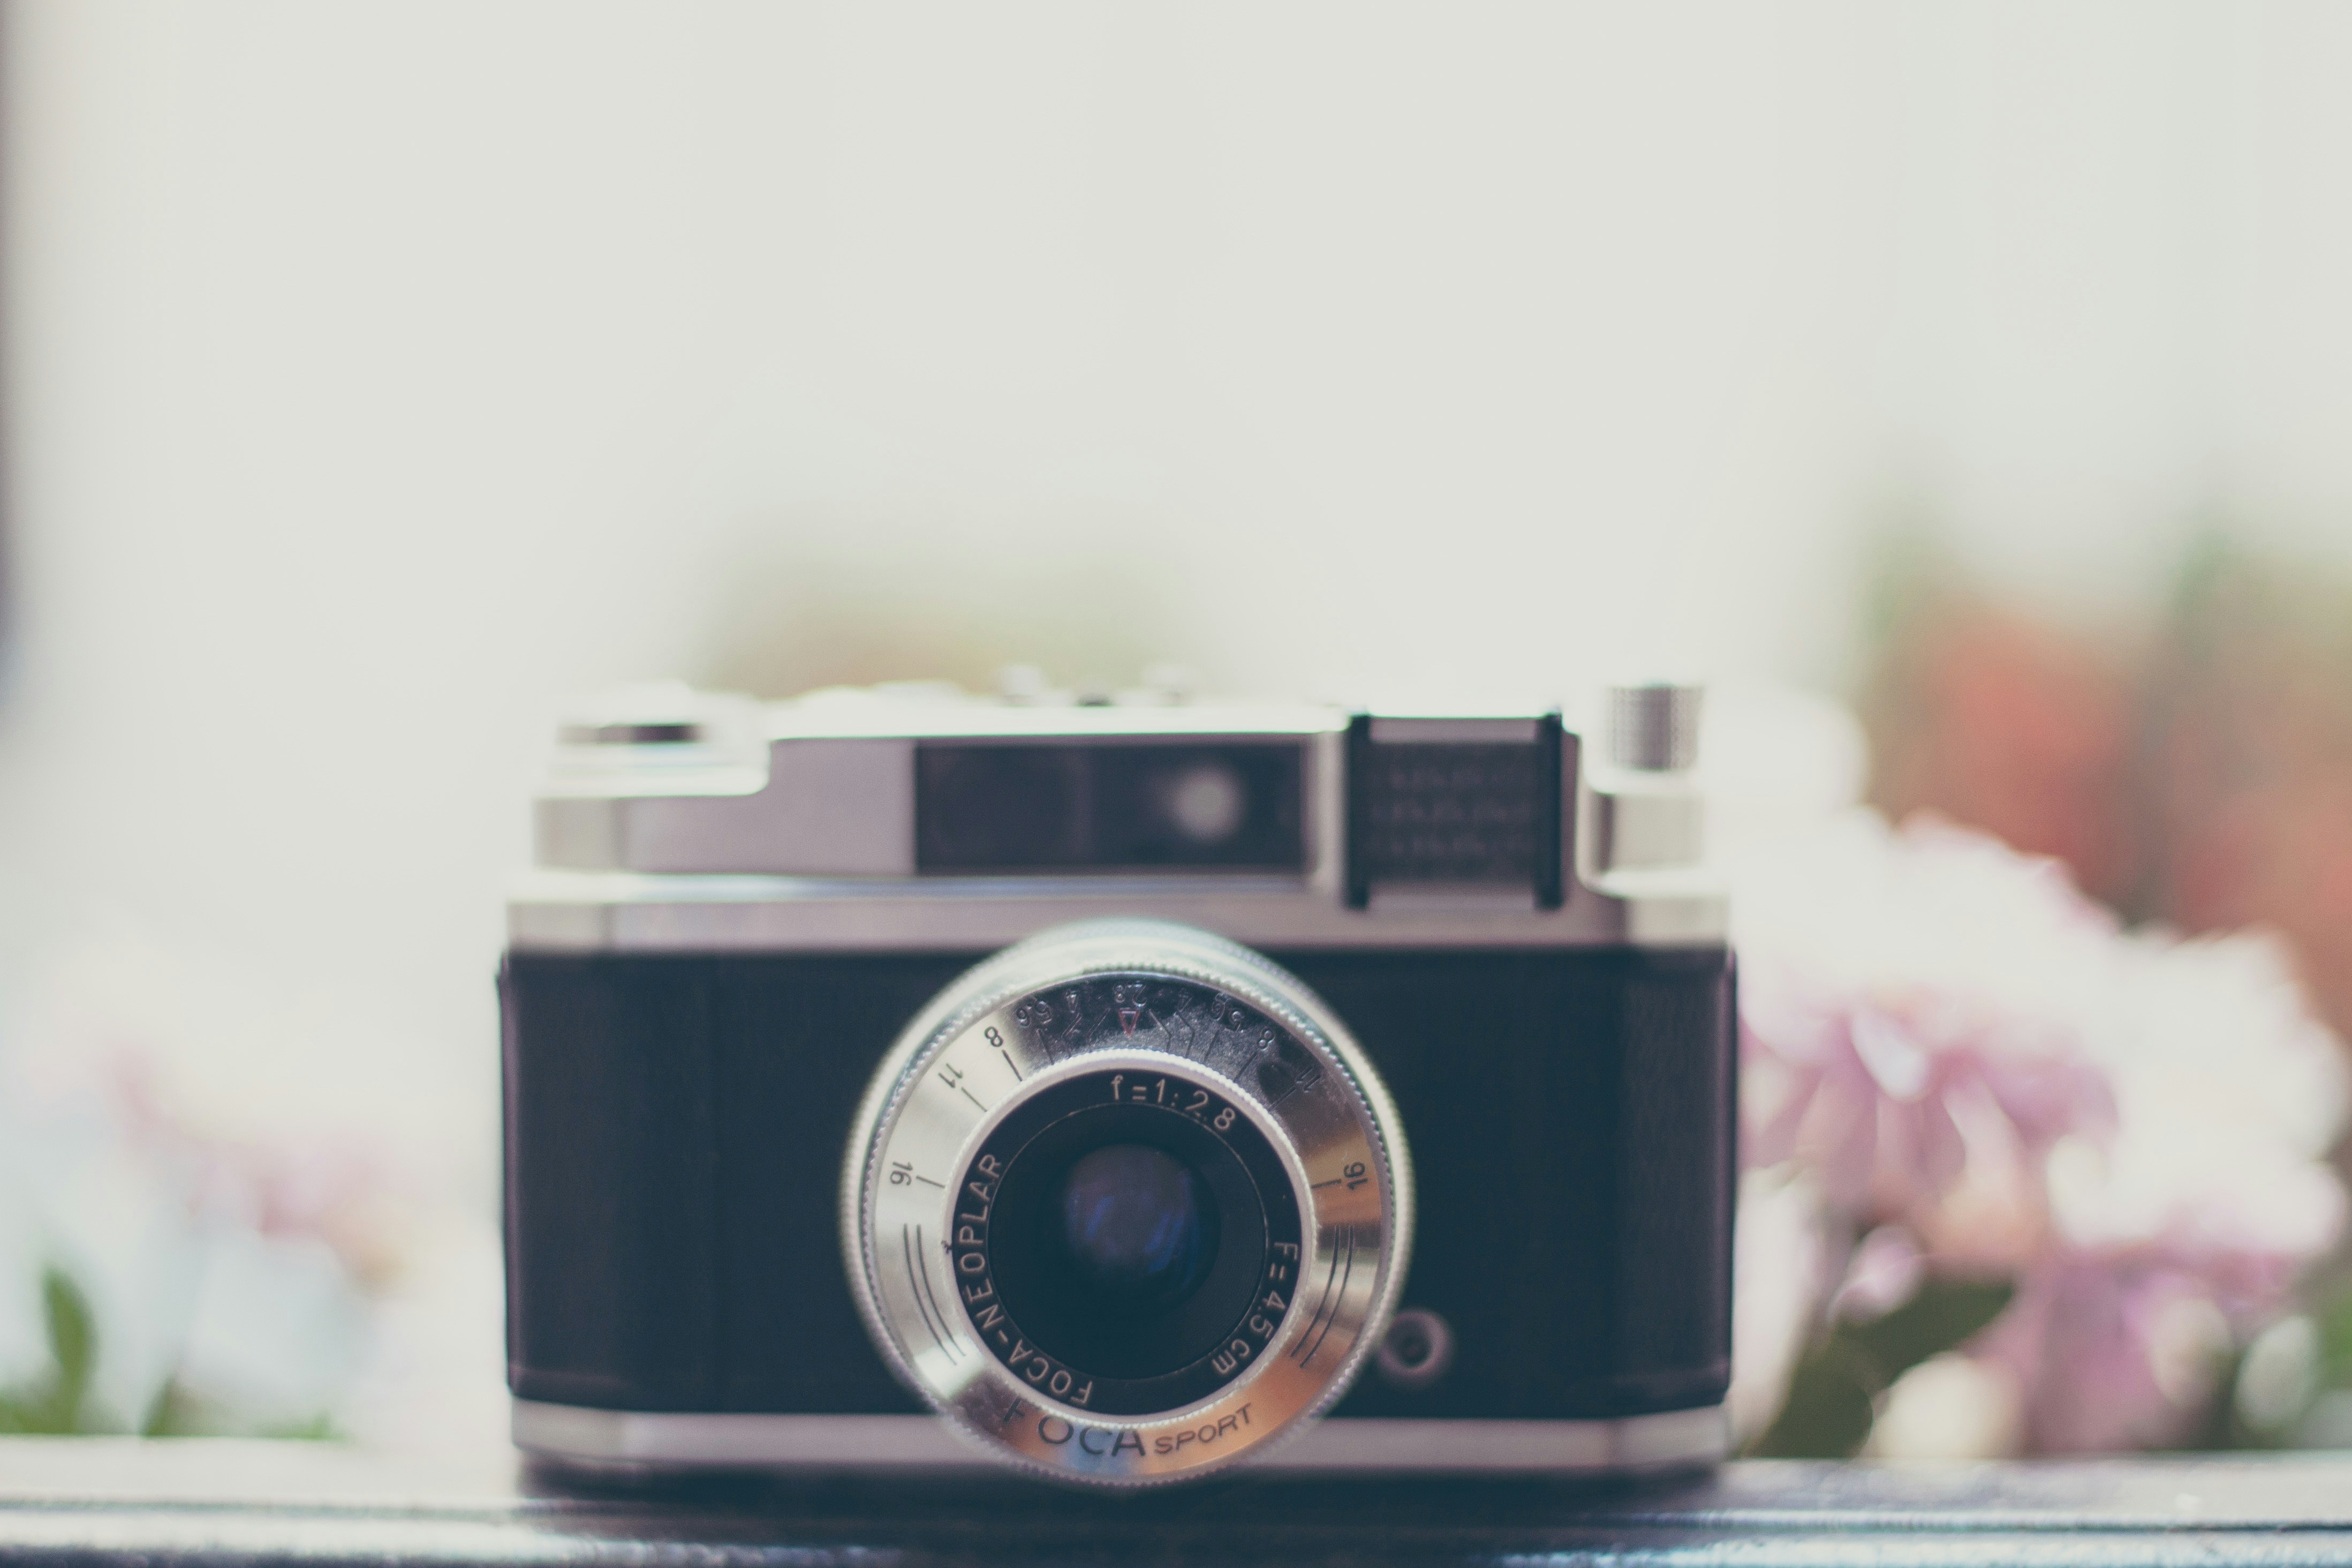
x: 1653, y: 727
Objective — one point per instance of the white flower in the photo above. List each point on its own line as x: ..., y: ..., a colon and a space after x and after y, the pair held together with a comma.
x: 2229, y: 1095
x: 1780, y: 1261
x: 1948, y: 1408
x: 2279, y: 1374
x: 228, y: 1189
x: 1858, y: 909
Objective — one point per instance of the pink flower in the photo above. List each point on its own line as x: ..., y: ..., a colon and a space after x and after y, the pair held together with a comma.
x: 322, y: 1186
x: 1984, y: 1076
x: 2112, y: 1351
x: 1911, y: 1099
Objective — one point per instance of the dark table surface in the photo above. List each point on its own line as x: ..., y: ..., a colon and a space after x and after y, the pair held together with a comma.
x: 99, y: 1503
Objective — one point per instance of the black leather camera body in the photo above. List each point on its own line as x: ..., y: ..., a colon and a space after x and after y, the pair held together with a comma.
x: 1118, y: 1092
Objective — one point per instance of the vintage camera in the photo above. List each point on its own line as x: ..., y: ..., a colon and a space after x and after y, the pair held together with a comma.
x: 902, y: 1078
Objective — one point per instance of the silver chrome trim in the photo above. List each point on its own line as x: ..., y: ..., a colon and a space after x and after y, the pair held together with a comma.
x: 1653, y: 822
x: 824, y: 808
x: 581, y: 911
x: 1669, y: 1439
x: 862, y: 714
x: 1212, y: 1018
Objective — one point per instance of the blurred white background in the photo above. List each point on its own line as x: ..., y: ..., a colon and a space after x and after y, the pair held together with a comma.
x: 377, y: 374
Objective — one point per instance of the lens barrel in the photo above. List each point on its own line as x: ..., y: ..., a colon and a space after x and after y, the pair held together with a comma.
x: 1127, y: 1204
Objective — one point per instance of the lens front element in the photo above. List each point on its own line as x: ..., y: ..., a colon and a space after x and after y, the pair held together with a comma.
x: 1127, y: 1204
x: 1136, y: 1224
x: 1184, y: 1256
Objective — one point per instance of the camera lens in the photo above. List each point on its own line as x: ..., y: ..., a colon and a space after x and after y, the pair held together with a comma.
x: 1136, y: 1225
x: 1126, y: 1240
x: 1125, y: 1202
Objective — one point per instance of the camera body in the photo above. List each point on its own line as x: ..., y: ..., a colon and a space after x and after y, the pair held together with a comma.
x: 742, y: 913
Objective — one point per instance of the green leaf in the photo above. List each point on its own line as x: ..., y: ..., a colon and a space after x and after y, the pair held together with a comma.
x: 1833, y: 1394
x: 176, y: 1413
x: 73, y: 1337
x: 318, y: 1428
x: 1829, y: 1408
x: 2335, y: 1319
x: 1945, y: 1313
x: 56, y: 1403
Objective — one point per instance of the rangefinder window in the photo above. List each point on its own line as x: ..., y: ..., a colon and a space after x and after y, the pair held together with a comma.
x: 999, y: 807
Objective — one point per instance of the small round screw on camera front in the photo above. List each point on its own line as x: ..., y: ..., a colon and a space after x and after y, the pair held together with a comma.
x: 1417, y: 1351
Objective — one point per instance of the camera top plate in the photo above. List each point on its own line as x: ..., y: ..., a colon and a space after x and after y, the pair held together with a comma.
x: 875, y: 822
